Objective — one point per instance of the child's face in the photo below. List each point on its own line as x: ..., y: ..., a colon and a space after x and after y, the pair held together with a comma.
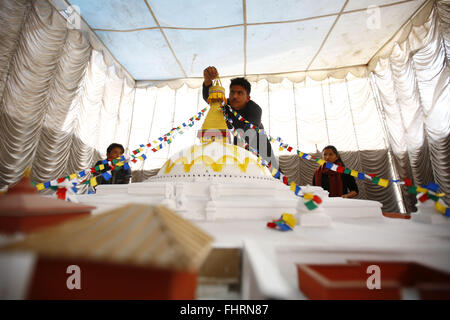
x: 115, y: 152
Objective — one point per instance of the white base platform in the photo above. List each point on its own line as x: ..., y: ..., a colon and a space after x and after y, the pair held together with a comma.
x: 237, y: 198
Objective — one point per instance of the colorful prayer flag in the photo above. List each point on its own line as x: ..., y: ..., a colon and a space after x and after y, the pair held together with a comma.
x: 310, y: 205
x: 423, y: 198
x: 293, y: 185
x: 421, y: 190
x: 308, y: 196
x: 412, y: 190
x: 317, y: 199
x: 383, y: 182
x: 106, y: 176
x: 440, y: 207
x: 93, y: 181
x: 432, y: 186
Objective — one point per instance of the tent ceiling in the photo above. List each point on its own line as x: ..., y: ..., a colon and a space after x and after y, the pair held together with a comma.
x: 161, y: 40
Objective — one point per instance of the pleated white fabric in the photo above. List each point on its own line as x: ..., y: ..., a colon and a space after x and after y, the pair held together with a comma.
x: 61, y: 105
x: 413, y: 87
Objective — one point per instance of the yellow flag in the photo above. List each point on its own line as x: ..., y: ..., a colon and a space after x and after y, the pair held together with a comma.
x: 421, y: 190
x: 383, y: 182
x: 308, y: 196
x: 293, y: 185
x: 354, y: 173
x: 289, y: 219
x: 440, y: 207
x: 101, y: 167
x: 321, y: 162
x: 72, y: 176
x: 40, y: 186
x: 93, y: 181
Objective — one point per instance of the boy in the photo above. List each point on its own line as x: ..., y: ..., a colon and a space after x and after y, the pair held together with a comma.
x: 120, y: 176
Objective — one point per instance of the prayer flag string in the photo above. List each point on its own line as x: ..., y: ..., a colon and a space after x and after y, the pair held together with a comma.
x: 312, y: 200
x: 69, y: 182
x: 430, y: 190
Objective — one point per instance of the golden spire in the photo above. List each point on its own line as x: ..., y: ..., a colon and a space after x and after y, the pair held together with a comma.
x: 214, y: 125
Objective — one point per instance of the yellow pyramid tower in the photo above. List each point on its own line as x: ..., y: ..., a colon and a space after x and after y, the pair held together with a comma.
x: 214, y: 126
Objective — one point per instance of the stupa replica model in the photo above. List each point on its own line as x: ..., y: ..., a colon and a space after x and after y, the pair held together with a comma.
x: 217, y: 180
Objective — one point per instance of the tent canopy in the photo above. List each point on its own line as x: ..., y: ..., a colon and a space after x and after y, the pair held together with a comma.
x: 163, y: 40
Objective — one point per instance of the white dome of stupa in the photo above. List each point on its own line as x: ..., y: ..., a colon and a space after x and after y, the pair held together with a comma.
x: 213, y: 159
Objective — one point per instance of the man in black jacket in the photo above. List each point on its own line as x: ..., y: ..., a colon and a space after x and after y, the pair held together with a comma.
x: 239, y: 100
x: 119, y: 176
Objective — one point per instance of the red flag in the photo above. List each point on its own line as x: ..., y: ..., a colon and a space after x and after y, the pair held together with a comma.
x: 408, y: 182
x: 372, y: 175
x: 61, y: 193
x: 317, y: 199
x: 424, y: 198
x: 60, y: 180
x: 285, y: 180
x: 340, y: 169
x: 271, y: 225
x: 289, y: 149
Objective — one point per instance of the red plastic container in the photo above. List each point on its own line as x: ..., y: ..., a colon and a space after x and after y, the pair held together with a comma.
x: 349, y: 281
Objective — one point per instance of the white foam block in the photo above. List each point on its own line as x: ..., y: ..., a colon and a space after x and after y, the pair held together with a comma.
x: 314, y: 219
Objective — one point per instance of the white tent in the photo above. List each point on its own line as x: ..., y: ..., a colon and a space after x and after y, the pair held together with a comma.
x: 370, y: 77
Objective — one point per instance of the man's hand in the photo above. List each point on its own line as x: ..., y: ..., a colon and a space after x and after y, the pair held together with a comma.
x: 209, y: 74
